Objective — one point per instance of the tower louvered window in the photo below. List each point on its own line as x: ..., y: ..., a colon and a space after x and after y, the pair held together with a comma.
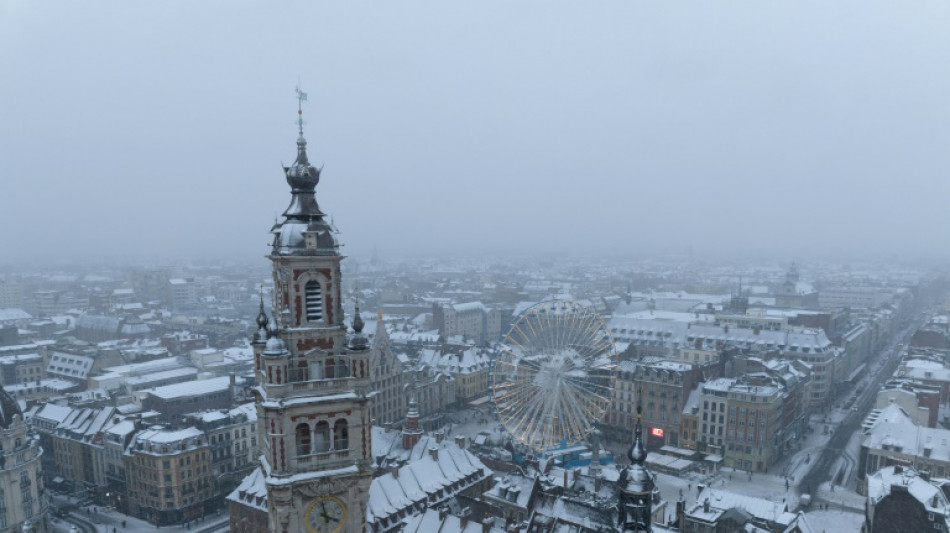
x: 314, y: 296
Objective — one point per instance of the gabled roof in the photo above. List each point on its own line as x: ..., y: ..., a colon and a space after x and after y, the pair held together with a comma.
x: 426, y: 475
x: 722, y: 501
x: 252, y: 491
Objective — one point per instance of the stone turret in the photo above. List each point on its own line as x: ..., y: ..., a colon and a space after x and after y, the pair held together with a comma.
x: 411, y: 432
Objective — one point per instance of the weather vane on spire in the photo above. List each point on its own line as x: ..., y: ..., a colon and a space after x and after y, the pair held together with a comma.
x: 301, y: 98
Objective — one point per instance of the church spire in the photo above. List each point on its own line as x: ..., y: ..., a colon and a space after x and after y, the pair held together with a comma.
x: 301, y: 140
x: 262, y: 332
x: 638, y: 453
x: 301, y: 98
x: 304, y: 229
x: 358, y: 319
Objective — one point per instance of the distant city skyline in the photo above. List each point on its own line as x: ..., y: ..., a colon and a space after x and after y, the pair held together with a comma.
x: 156, y: 133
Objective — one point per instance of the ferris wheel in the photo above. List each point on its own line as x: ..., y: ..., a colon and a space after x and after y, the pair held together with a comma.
x: 553, y: 374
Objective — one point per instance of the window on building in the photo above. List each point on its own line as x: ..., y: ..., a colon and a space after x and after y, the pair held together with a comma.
x: 303, y: 439
x: 321, y: 437
x: 314, y: 297
x: 341, y: 435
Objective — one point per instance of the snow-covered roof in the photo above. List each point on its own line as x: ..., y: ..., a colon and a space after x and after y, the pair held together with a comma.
x: 252, y: 491
x: 13, y: 314
x: 137, y: 382
x: 513, y: 489
x: 468, y: 361
x: 17, y: 358
x: 732, y: 385
x: 243, y: 353
x: 906, y: 438
x: 431, y: 474
x: 123, y: 428
x: 85, y: 423
x: 721, y: 501
x: 881, y: 483
x: 147, y: 367
x: 925, y: 370
x: 469, y: 307
x: 430, y: 521
x: 54, y: 413
x: 165, y: 436
x: 247, y: 409
x: 192, y: 388
x: 891, y: 413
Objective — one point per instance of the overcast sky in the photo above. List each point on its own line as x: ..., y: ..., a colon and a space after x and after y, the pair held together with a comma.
x: 157, y: 129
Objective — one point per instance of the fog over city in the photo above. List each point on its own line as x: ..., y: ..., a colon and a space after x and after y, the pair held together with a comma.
x: 156, y: 131
x: 474, y: 266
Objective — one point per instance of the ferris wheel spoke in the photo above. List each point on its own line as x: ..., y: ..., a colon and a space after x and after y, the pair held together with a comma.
x: 588, y: 392
x: 556, y: 322
x: 574, y: 331
x: 531, y: 418
x: 583, y: 404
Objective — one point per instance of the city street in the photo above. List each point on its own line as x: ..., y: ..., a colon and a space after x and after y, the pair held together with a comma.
x: 829, y: 464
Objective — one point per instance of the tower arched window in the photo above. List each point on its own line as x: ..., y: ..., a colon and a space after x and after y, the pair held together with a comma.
x: 321, y: 437
x: 303, y: 439
x: 313, y: 294
x: 341, y: 435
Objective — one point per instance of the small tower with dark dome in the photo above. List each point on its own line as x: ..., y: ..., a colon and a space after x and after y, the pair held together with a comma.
x: 358, y: 342
x: 260, y: 336
x: 636, y: 487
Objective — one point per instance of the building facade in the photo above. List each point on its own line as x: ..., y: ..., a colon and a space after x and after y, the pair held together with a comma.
x: 665, y: 387
x: 741, y: 422
x: 169, y: 475
x: 23, y: 504
x: 386, y: 376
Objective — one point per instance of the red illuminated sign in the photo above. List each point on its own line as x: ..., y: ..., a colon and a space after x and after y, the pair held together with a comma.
x: 656, y: 432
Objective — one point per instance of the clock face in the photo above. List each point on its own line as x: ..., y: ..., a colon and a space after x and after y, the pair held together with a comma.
x: 325, y: 515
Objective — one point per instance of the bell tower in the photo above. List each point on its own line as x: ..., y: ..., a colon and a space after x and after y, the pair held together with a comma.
x: 314, y: 393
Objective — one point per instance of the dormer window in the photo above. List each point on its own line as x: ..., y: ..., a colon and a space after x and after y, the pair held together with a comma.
x: 314, y: 298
